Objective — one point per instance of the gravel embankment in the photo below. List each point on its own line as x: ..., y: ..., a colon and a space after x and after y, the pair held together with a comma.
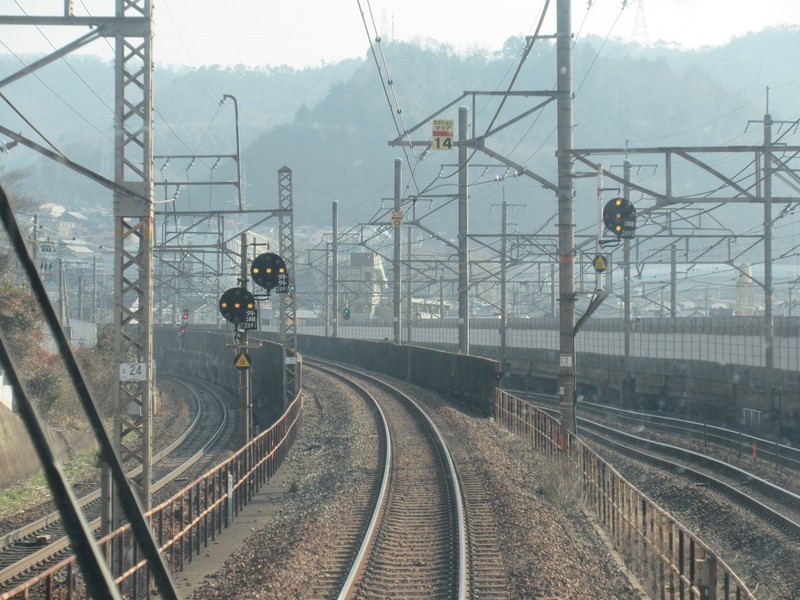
x: 550, y: 550
x: 764, y: 558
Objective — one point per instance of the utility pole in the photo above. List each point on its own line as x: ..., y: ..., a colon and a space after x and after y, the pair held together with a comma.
x: 409, y: 288
x: 769, y: 325
x: 35, y: 240
x: 326, y: 299
x: 503, y: 281
x: 463, y: 231
x: 80, y: 293
x: 94, y: 288
x: 335, y: 267
x: 63, y: 299
x: 238, y: 158
x: 398, y: 229
x: 673, y: 280
x: 598, y: 249
x: 504, y: 260
x: 566, y: 219
x: 244, y: 374
x: 626, y: 276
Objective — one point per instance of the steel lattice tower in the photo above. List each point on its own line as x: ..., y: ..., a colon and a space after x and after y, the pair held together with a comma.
x: 133, y: 232
x: 288, y: 307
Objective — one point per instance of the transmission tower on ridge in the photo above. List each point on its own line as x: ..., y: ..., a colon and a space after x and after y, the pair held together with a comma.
x: 640, y: 34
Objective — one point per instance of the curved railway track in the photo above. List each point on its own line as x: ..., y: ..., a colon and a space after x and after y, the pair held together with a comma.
x: 41, y: 543
x: 414, y: 541
x: 769, y: 501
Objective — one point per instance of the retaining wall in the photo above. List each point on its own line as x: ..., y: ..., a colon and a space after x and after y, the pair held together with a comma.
x: 466, y: 380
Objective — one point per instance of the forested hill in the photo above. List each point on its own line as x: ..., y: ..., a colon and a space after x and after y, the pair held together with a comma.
x: 332, y: 124
x: 624, y: 95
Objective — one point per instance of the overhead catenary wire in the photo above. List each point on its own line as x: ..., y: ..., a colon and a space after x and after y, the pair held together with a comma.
x: 395, y: 109
x: 69, y: 66
x: 56, y: 94
x: 30, y: 124
x: 87, y: 85
x: 586, y: 75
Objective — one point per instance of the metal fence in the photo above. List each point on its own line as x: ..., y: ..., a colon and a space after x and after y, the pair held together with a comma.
x: 666, y: 557
x: 185, y: 523
x: 724, y: 340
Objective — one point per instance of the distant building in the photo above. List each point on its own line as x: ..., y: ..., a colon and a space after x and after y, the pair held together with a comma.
x: 745, y: 307
x: 364, y: 287
x: 52, y: 210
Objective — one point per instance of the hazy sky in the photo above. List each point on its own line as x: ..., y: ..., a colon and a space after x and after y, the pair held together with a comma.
x: 303, y: 33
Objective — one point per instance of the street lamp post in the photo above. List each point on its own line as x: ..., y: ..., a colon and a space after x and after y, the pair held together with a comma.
x: 238, y: 153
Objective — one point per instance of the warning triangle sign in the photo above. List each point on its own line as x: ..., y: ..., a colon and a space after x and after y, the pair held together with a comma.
x: 600, y: 263
x: 242, y: 361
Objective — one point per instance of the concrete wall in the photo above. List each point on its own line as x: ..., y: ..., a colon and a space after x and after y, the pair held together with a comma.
x: 467, y: 380
x: 207, y: 355
x: 704, y: 391
x: 19, y: 458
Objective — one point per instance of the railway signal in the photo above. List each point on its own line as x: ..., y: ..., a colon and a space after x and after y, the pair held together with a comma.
x: 619, y: 217
x: 346, y: 313
x: 269, y: 271
x: 236, y: 305
x: 184, y: 321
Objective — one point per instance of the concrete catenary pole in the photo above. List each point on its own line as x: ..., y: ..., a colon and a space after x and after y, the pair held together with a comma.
x: 503, y: 283
x: 626, y: 293
x: 566, y: 219
x: 463, y: 231
x: 244, y: 374
x: 673, y: 281
x: 335, y: 268
x: 769, y: 326
x: 398, y: 234
x: 409, y: 289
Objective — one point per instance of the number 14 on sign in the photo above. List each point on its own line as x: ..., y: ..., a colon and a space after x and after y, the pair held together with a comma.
x: 442, y: 134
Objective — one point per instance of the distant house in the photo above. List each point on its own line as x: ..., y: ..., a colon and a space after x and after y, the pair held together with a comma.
x: 71, y: 222
x: 52, y: 210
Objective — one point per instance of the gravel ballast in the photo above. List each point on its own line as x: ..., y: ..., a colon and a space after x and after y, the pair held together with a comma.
x: 549, y: 548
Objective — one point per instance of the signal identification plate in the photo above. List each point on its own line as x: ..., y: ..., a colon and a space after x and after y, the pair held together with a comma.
x: 133, y: 372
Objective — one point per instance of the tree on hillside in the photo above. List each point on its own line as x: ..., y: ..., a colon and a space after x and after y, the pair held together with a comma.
x: 22, y: 324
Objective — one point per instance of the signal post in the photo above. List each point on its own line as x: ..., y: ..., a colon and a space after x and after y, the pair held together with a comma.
x: 238, y: 306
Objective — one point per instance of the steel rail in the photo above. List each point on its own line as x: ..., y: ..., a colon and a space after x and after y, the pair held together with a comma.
x: 454, y: 481
x: 63, y: 542
x: 783, y: 497
x: 362, y: 555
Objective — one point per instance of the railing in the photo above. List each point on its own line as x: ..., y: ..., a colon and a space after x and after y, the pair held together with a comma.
x: 185, y: 523
x: 665, y: 556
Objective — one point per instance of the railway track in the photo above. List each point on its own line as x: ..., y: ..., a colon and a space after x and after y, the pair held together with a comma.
x: 414, y: 541
x: 366, y: 495
x: 41, y: 543
x: 769, y: 501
